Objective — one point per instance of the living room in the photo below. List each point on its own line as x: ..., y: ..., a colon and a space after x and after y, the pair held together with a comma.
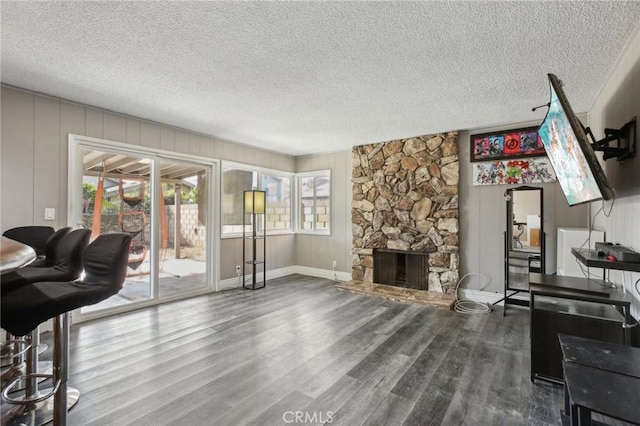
x: 40, y: 111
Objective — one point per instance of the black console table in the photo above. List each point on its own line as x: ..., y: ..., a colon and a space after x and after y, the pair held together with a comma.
x: 582, y: 307
x: 588, y: 259
x: 600, y: 377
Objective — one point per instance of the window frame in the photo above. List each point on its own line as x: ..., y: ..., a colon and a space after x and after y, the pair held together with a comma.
x: 260, y: 171
x: 315, y: 174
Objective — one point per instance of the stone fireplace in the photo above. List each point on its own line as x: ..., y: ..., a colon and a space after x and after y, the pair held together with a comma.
x: 405, y: 199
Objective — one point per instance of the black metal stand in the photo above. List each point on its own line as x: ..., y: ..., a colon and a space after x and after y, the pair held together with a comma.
x: 516, y: 257
x: 535, y: 263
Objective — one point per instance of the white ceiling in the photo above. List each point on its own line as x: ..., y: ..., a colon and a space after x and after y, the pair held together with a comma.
x: 311, y: 77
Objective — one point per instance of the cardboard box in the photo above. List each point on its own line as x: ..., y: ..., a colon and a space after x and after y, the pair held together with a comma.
x: 534, y: 237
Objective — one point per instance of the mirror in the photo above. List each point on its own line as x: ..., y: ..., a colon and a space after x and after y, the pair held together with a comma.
x: 525, y: 211
x: 523, y: 240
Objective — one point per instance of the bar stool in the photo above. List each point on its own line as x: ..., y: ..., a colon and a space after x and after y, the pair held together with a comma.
x: 62, y: 262
x: 36, y: 237
x: 65, y: 258
x: 105, y: 269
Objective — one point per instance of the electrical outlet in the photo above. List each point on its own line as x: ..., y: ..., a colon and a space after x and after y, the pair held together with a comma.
x: 237, y: 269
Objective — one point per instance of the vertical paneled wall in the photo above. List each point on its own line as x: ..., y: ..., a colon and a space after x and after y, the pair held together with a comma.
x: 619, y: 102
x: 33, y: 160
x: 483, y: 220
x: 319, y: 251
x: 17, y: 160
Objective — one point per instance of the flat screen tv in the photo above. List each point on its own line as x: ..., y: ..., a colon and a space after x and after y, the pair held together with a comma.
x: 570, y: 153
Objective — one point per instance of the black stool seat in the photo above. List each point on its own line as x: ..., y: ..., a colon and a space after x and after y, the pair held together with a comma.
x: 34, y: 236
x: 66, y: 267
x: 105, y: 267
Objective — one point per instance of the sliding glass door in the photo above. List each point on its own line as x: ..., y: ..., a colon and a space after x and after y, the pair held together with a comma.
x: 116, y: 198
x: 162, y: 202
x: 183, y: 247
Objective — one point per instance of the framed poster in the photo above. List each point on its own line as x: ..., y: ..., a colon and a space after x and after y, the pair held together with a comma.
x: 511, y: 172
x: 509, y: 144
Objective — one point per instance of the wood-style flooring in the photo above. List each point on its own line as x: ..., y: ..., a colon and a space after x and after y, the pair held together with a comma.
x: 303, y: 352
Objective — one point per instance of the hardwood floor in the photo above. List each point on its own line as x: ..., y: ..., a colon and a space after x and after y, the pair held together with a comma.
x: 303, y: 348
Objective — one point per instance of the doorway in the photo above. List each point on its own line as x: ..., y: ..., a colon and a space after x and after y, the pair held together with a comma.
x: 163, y: 201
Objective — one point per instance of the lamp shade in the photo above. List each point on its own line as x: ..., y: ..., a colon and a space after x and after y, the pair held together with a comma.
x: 254, y: 201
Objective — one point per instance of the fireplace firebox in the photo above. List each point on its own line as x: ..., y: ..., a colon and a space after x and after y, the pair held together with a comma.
x: 401, y: 268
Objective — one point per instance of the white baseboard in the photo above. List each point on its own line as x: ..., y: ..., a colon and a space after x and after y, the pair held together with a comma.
x: 236, y: 282
x: 323, y: 273
x: 486, y: 296
x: 464, y: 294
x: 229, y: 283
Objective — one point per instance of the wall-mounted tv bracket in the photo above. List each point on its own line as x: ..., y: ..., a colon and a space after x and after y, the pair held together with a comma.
x: 625, y: 138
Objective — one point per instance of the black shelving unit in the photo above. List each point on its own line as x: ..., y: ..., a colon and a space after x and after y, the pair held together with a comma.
x: 252, y: 261
x: 586, y: 258
x: 584, y: 307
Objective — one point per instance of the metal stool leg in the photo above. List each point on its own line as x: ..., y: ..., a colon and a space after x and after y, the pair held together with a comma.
x: 11, y: 350
x: 14, y: 350
x: 63, y: 399
x: 7, y: 351
x: 17, y: 348
x: 42, y: 406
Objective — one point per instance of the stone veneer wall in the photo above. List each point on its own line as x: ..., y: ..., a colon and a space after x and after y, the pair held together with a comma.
x: 405, y: 197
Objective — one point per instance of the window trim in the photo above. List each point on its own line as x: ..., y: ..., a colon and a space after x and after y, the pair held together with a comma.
x: 315, y: 231
x: 226, y: 165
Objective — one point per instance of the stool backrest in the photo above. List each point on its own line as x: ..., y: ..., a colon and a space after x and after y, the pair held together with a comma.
x: 70, y: 250
x: 34, y: 236
x: 106, y: 260
x: 51, y: 248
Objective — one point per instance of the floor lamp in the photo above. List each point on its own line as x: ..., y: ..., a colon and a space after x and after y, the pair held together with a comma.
x: 254, y: 205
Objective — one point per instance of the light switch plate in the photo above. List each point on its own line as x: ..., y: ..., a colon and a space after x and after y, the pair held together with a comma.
x: 49, y: 213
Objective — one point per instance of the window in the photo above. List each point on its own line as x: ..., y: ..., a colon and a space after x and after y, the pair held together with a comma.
x: 314, y: 202
x: 237, y: 178
x: 278, y: 201
x: 234, y: 182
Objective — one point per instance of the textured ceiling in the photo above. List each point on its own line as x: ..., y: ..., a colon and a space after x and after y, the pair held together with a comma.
x: 310, y: 77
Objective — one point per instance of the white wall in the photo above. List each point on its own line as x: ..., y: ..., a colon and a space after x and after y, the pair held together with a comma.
x: 33, y: 160
x: 617, y: 103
